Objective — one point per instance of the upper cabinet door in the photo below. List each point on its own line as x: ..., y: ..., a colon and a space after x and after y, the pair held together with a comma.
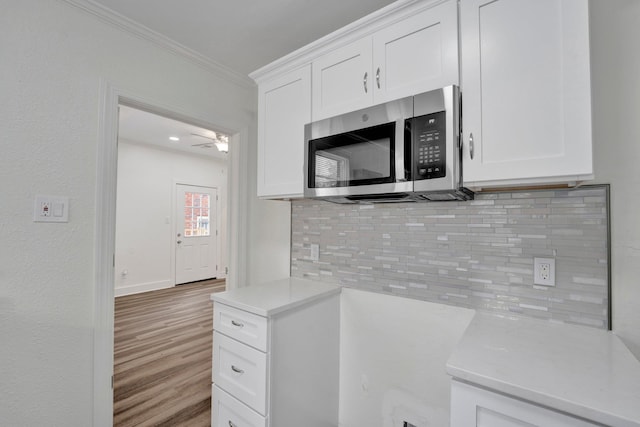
x: 413, y: 55
x: 284, y: 107
x: 417, y: 54
x: 342, y: 80
x: 526, y: 91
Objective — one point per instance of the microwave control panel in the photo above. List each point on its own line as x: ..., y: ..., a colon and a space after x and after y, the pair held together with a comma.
x: 429, y: 146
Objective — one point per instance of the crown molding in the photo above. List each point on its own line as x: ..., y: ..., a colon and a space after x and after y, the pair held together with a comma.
x: 135, y: 28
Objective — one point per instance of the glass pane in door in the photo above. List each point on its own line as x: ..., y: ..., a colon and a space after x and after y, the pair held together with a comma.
x: 196, y: 214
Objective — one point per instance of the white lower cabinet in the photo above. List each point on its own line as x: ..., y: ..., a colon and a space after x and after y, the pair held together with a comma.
x: 478, y: 407
x: 241, y: 370
x: 228, y: 411
x: 242, y: 326
x: 280, y: 369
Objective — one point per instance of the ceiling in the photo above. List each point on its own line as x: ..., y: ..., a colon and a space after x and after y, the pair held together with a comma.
x: 150, y: 129
x: 243, y: 35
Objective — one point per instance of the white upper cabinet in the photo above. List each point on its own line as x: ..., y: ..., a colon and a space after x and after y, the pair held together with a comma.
x: 342, y: 80
x: 526, y: 93
x: 411, y: 55
x: 523, y: 67
x: 284, y: 107
x: 417, y: 54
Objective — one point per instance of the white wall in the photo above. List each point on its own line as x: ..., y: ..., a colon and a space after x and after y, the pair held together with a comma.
x: 393, y: 353
x: 615, y: 73
x: 145, y: 213
x: 269, y: 232
x: 55, y: 57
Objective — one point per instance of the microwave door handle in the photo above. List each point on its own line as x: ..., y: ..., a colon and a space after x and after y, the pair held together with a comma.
x: 399, y: 151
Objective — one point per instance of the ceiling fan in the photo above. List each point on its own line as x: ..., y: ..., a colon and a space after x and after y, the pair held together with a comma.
x: 219, y: 140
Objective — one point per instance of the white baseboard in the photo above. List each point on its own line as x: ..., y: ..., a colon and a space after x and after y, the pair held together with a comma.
x: 143, y: 287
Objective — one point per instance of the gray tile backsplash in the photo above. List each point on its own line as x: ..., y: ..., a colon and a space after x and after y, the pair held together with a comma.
x: 477, y: 254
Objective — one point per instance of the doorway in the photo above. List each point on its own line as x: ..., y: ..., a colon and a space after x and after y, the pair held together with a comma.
x: 105, y: 218
x: 171, y: 222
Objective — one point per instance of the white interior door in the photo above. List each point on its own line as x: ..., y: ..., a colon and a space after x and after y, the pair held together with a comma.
x: 196, y: 233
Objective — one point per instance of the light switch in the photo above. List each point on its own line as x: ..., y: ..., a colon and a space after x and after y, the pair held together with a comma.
x: 51, y: 209
x: 315, y: 252
x: 58, y: 208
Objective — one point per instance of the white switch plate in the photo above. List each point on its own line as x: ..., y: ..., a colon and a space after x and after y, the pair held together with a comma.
x: 315, y: 252
x: 544, y: 271
x: 51, y: 209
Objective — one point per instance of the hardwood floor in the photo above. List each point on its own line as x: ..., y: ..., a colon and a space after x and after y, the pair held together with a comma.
x: 162, y: 356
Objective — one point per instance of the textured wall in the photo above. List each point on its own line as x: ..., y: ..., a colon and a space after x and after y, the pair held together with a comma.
x: 55, y: 58
x: 476, y: 254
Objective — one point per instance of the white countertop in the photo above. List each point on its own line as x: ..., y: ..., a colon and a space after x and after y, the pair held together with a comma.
x: 274, y: 297
x: 583, y: 371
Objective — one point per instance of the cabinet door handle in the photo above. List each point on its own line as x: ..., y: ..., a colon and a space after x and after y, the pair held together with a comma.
x: 364, y: 82
x: 378, y: 77
x: 238, y: 324
x: 232, y: 424
x: 471, y: 145
x: 237, y: 370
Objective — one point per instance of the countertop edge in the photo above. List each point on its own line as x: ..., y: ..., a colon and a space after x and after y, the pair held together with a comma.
x: 275, y: 310
x: 255, y: 299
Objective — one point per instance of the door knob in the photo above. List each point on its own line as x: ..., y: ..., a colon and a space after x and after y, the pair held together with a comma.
x: 179, y: 241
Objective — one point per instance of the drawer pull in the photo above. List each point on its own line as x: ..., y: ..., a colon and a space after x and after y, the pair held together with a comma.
x: 238, y: 324
x: 237, y: 370
x: 231, y: 424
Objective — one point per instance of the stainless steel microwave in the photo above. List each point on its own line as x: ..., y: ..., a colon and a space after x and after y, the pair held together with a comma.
x: 406, y: 150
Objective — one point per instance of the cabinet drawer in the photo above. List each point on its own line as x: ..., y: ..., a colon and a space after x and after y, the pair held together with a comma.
x: 241, y: 371
x: 243, y: 326
x: 477, y: 407
x: 226, y: 411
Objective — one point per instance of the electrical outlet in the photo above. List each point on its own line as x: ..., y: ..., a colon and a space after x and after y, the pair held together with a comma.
x: 45, y: 209
x: 544, y: 271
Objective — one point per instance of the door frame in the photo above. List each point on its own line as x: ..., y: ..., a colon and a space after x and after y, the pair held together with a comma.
x: 111, y: 97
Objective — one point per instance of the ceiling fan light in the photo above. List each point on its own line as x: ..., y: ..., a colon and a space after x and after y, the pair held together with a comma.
x: 222, y: 146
